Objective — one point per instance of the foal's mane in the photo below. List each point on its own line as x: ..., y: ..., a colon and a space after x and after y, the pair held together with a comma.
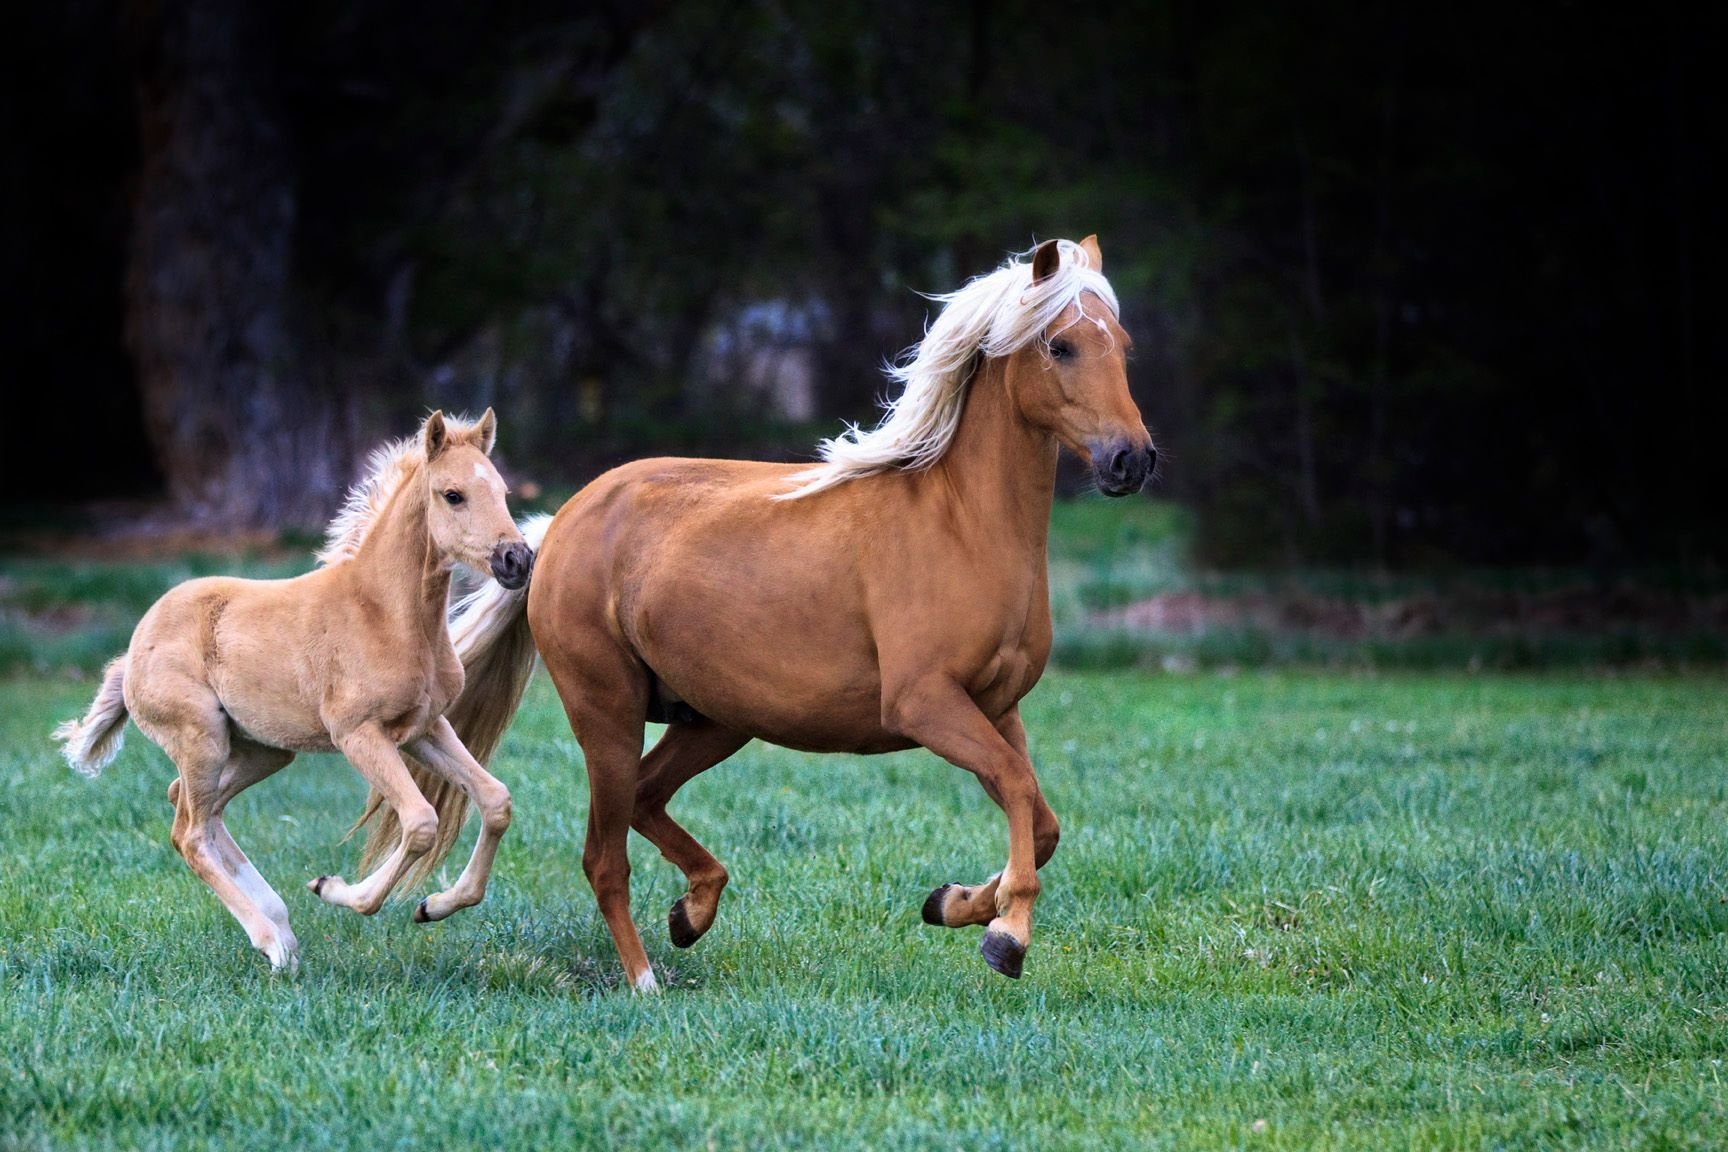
x: 997, y: 314
x: 387, y: 469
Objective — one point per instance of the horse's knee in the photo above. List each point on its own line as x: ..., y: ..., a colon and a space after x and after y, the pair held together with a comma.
x: 419, y: 830
x: 495, y: 813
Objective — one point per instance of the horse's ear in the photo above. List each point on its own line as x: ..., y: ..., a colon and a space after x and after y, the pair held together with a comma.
x: 1094, y: 254
x: 486, y: 432
x: 1045, y: 261
x: 435, y: 436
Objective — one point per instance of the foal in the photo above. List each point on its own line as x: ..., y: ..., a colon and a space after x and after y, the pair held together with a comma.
x: 233, y: 677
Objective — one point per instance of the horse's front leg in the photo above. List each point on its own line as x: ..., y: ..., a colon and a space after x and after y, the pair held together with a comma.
x: 443, y: 752
x: 961, y: 905
x: 936, y: 712
x: 375, y: 757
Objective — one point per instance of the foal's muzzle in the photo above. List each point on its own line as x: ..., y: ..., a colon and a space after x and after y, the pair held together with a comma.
x: 1121, y: 468
x: 511, y: 564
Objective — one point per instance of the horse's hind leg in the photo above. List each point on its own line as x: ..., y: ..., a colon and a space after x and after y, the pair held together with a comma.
x: 442, y: 751
x: 248, y: 763
x: 605, y: 695
x: 188, y: 722
x: 683, y: 753
x: 962, y: 905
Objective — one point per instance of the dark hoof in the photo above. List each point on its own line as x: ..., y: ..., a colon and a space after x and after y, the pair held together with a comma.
x: 1003, y: 953
x: 933, y: 906
x: 678, y: 926
x: 420, y: 916
x: 317, y: 885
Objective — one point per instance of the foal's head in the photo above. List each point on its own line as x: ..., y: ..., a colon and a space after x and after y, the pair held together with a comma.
x: 465, y: 507
x: 1073, y: 381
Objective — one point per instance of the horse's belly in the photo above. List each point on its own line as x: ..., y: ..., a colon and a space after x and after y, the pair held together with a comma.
x: 795, y: 704
x: 267, y: 721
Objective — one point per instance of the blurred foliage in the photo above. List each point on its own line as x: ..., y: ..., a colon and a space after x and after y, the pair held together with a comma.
x: 1410, y: 286
x: 1113, y: 565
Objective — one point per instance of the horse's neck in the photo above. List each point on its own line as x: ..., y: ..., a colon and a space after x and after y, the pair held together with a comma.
x: 399, y: 567
x: 1001, y: 469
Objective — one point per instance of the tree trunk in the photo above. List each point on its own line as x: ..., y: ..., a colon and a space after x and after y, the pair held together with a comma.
x: 242, y: 434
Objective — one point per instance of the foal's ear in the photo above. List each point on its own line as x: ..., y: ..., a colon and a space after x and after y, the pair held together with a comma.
x: 1094, y: 254
x: 435, y: 436
x: 486, y: 432
x: 1045, y: 260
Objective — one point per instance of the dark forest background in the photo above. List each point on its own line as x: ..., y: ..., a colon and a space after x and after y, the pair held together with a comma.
x: 1411, y: 284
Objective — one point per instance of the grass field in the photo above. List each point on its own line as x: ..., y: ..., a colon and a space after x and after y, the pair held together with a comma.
x: 1290, y: 910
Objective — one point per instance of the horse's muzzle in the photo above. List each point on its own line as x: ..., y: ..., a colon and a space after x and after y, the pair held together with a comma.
x: 511, y: 564
x: 1122, y: 468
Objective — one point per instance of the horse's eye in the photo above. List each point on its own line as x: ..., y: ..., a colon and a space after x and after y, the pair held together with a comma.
x: 453, y: 497
x: 1060, y: 349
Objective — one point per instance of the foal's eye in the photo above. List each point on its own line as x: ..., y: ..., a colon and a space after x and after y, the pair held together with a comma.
x: 453, y: 497
x: 1060, y: 349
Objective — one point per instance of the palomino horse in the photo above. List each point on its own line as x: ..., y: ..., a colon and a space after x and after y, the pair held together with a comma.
x: 894, y: 595
x: 233, y: 677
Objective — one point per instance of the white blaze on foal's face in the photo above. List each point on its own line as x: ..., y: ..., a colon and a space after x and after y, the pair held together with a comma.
x: 466, y: 509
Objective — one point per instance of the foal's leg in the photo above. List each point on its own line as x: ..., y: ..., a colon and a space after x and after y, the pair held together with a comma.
x: 937, y: 713
x: 443, y: 752
x: 960, y: 905
x: 187, y: 721
x: 683, y: 753
x: 248, y: 763
x: 375, y: 757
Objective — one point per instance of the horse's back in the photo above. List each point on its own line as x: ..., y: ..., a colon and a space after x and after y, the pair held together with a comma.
x: 750, y: 609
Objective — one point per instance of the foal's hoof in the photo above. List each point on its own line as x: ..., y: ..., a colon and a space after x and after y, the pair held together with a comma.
x: 317, y: 885
x: 678, y: 925
x: 420, y: 914
x: 284, y: 961
x: 1003, y: 953
x: 933, y: 906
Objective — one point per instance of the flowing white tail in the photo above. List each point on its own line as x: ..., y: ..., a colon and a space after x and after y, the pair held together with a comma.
x: 92, y: 743
x: 489, y: 630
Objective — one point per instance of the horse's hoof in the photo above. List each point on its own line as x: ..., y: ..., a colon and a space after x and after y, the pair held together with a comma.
x: 284, y: 958
x: 420, y: 916
x: 933, y: 906
x: 678, y: 925
x: 1003, y: 953
x: 317, y: 885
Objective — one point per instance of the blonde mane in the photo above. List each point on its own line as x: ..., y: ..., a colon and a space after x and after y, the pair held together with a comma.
x: 387, y: 468
x: 993, y: 315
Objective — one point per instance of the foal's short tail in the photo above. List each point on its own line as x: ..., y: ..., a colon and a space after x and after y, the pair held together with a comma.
x: 489, y: 629
x: 92, y: 743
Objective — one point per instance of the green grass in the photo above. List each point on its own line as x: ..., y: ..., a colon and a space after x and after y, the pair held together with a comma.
x: 1289, y: 911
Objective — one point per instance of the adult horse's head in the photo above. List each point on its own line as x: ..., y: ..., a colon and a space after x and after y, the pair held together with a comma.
x: 1049, y: 331
x: 466, y: 511
x: 1071, y: 379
